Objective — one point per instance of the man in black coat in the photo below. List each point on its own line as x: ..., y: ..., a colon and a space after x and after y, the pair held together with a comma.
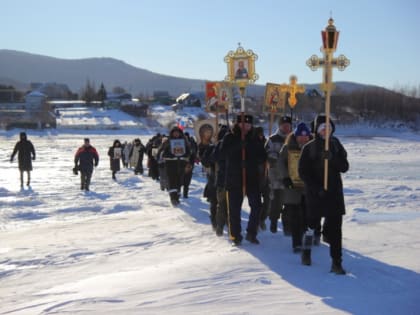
x: 320, y: 202
x: 255, y: 155
x: 25, y: 156
x: 86, y: 156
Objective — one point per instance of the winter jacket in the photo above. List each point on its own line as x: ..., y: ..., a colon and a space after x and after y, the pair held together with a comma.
x: 311, y: 170
x: 231, y: 153
x: 85, y: 158
x: 25, y: 156
x: 273, y: 147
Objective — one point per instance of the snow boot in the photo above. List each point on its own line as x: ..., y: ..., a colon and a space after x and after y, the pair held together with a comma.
x: 306, y: 257
x: 236, y: 241
x: 273, y: 226
x: 252, y: 238
x: 337, y: 268
x: 306, y: 247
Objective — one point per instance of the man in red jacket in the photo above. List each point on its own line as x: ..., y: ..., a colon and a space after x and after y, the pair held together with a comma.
x: 84, y: 160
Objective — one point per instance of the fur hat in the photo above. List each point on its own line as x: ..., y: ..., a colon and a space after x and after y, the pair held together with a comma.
x: 321, y: 119
x: 302, y: 130
x: 285, y: 120
x: 247, y: 118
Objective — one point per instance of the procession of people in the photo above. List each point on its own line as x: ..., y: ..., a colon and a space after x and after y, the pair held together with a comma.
x: 282, y: 177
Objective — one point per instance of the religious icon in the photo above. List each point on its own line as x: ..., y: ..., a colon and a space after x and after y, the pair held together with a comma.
x: 225, y: 95
x: 205, y: 130
x: 211, y: 96
x: 241, y: 69
x: 177, y: 147
x: 274, y: 97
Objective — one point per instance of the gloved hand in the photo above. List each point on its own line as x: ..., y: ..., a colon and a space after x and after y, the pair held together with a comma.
x: 75, y: 170
x: 11, y: 160
x: 33, y: 158
x: 287, y: 182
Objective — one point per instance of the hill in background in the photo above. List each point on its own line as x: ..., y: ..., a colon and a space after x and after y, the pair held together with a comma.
x: 20, y: 69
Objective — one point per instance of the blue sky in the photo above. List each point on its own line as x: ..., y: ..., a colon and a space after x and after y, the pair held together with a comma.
x: 189, y: 38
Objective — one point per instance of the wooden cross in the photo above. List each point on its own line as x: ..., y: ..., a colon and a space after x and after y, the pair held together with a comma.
x: 330, y: 40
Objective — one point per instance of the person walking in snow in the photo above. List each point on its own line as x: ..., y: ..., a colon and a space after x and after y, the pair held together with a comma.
x: 85, y: 158
x: 176, y: 154
x: 273, y: 147
x: 293, y: 197
x: 136, y: 155
x: 231, y: 150
x: 320, y: 202
x: 126, y: 147
x: 115, y: 155
x: 26, y: 154
x: 189, y: 167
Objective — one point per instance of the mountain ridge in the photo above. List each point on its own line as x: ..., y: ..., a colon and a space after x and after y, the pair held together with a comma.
x: 21, y: 68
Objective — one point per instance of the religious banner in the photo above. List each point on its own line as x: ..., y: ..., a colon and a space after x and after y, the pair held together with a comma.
x: 292, y: 163
x: 205, y: 131
x: 177, y: 147
x: 274, y: 98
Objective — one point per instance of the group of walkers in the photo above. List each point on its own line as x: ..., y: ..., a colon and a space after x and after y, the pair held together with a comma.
x: 282, y: 177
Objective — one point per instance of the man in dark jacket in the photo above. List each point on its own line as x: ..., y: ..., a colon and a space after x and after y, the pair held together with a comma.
x: 232, y: 149
x: 320, y: 202
x: 25, y: 156
x: 84, y: 160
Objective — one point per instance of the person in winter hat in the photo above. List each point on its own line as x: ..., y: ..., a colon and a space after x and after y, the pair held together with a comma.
x: 327, y: 203
x: 293, y: 197
x: 273, y: 147
x: 26, y: 154
x: 231, y: 151
x: 176, y: 154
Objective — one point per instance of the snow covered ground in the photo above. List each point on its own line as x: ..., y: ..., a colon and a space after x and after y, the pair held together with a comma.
x: 122, y: 249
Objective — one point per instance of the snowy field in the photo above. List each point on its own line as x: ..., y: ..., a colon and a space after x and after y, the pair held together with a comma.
x: 122, y: 249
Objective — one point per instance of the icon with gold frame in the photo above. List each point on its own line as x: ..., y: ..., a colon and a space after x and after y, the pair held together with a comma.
x: 241, y: 67
x: 274, y: 98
